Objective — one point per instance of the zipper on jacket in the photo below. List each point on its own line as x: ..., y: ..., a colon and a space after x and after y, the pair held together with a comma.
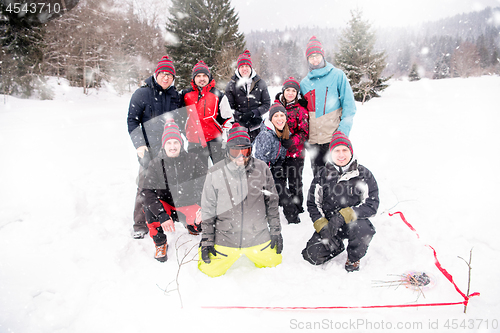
x: 324, y: 107
x: 176, y: 175
x: 279, y: 150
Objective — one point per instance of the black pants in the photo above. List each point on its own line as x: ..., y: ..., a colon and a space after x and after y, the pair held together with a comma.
x: 155, y: 229
x: 319, y: 155
x: 139, y: 216
x: 213, y: 150
x: 286, y: 198
x: 359, y: 234
x: 293, y: 168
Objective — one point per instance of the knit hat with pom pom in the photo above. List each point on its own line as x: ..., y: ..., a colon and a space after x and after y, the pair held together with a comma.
x: 244, y: 59
x: 238, y: 136
x: 165, y: 65
x: 291, y: 83
x: 314, y: 46
x: 171, y: 131
x: 201, y: 67
x: 340, y: 139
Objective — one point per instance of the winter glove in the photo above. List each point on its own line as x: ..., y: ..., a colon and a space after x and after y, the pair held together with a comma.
x: 327, y: 233
x: 247, y: 116
x: 348, y: 214
x: 205, y: 250
x: 287, y: 143
x: 277, y: 241
x: 320, y: 224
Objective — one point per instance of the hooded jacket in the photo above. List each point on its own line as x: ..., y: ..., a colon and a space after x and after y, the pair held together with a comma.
x: 239, y: 206
x: 248, y: 95
x: 150, y: 106
x: 331, y: 191
x: 330, y: 104
x: 177, y: 181
x: 208, y: 110
x: 267, y: 145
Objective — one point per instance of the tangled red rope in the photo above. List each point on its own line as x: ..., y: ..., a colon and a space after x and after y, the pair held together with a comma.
x: 443, y: 271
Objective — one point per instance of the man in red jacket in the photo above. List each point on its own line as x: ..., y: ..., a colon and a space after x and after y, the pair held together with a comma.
x: 208, y: 115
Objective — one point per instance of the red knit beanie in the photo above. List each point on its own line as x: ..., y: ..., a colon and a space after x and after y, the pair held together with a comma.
x: 340, y: 139
x: 171, y: 131
x: 165, y: 65
x: 244, y: 59
x: 291, y: 83
x: 314, y: 46
x: 201, y: 67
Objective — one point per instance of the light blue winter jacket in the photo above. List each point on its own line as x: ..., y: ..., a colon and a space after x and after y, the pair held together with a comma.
x: 331, y: 103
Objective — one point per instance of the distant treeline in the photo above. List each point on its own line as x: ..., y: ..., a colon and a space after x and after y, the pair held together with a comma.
x: 460, y: 46
x: 109, y: 40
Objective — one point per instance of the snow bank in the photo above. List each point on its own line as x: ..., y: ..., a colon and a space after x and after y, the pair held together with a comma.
x: 68, y: 263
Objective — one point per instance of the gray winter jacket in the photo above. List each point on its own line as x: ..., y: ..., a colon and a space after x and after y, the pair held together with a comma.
x: 239, y: 206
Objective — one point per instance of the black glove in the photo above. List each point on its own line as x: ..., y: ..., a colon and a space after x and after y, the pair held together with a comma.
x: 205, y: 250
x: 328, y: 233
x: 277, y: 241
x: 287, y: 143
x: 247, y: 116
x: 329, y: 239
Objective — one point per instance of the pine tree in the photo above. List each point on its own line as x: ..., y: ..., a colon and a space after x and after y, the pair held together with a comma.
x: 22, y: 53
x: 204, y: 30
x: 358, y: 60
x: 414, y: 76
x: 442, y: 68
x: 484, y: 55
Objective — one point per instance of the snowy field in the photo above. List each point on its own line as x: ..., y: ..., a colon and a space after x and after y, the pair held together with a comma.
x: 69, y: 264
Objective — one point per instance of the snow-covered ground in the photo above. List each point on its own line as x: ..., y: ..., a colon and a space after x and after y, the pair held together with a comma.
x: 69, y: 264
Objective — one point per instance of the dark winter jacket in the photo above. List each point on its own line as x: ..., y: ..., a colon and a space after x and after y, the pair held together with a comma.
x: 149, y: 107
x: 239, y: 206
x: 267, y: 145
x: 331, y: 191
x: 330, y: 103
x: 177, y: 181
x: 208, y: 110
x: 298, y: 124
x: 243, y: 101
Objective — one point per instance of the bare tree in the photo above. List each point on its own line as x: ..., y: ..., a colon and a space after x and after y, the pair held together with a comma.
x: 465, y: 61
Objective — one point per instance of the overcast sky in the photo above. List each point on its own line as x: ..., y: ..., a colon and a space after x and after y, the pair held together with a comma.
x: 277, y: 14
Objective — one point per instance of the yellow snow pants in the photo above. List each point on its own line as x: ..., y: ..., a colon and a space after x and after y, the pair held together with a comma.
x: 261, y: 255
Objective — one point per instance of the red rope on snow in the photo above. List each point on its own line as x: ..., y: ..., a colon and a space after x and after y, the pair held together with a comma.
x: 443, y: 271
x: 438, y: 264
x: 331, y: 307
x: 406, y: 222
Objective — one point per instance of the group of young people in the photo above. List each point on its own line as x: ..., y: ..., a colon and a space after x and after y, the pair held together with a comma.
x: 257, y: 151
